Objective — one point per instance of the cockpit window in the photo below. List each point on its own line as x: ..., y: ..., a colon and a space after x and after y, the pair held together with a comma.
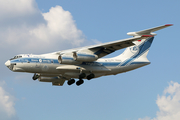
x: 15, y: 57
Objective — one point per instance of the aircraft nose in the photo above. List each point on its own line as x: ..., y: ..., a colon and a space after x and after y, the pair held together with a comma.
x: 7, y: 63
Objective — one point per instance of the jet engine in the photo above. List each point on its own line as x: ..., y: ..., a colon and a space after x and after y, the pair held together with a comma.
x: 84, y: 57
x: 64, y: 59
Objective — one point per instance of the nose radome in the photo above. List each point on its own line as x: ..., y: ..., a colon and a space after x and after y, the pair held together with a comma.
x: 7, y: 63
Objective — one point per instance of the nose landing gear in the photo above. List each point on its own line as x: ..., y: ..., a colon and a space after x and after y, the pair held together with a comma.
x: 35, y: 76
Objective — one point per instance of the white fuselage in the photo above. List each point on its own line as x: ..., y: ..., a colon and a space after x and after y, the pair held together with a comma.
x: 48, y: 65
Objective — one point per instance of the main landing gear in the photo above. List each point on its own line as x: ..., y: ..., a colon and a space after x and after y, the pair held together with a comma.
x: 71, y: 81
x: 90, y: 76
x: 81, y: 81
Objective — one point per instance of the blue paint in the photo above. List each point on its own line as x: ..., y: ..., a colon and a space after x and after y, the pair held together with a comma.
x: 35, y: 60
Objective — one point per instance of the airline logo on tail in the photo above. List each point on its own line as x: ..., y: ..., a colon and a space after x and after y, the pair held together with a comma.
x: 134, y: 49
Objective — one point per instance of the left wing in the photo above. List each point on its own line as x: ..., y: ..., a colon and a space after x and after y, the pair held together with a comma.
x: 95, y: 52
x: 110, y: 47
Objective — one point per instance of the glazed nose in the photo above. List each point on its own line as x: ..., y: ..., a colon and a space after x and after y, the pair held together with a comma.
x: 7, y: 63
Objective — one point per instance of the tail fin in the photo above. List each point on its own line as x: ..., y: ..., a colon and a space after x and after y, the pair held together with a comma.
x: 139, y: 51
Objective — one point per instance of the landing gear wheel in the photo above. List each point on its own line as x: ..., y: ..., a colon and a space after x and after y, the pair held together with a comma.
x: 79, y: 82
x: 90, y: 76
x: 35, y: 76
x: 71, y: 81
x: 82, y: 75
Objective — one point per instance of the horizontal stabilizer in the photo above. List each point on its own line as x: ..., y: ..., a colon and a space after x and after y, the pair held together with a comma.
x: 148, y: 31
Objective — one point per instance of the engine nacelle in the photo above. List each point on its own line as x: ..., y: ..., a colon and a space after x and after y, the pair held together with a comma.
x: 84, y: 57
x: 63, y: 59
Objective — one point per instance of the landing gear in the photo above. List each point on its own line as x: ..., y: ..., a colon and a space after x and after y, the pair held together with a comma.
x: 35, y: 76
x: 71, y: 81
x: 79, y: 82
x: 90, y: 76
x: 82, y: 75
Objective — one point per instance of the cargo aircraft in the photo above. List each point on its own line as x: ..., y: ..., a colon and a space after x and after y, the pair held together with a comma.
x: 87, y: 62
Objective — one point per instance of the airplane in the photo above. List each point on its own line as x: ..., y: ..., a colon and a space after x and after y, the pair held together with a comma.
x: 87, y: 62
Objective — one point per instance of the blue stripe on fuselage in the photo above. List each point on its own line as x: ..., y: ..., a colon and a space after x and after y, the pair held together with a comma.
x: 55, y: 61
x: 34, y: 60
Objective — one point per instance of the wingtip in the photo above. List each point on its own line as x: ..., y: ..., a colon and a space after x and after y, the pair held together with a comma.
x: 169, y: 25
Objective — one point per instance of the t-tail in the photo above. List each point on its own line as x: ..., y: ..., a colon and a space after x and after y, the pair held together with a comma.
x: 137, y: 54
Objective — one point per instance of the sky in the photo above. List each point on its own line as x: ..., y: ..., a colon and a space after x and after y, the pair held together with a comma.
x: 42, y: 26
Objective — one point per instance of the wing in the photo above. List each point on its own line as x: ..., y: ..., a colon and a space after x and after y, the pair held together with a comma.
x: 148, y: 31
x: 104, y: 49
x: 110, y: 47
x: 94, y: 52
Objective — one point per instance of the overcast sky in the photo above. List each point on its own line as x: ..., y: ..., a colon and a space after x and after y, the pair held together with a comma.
x: 41, y: 26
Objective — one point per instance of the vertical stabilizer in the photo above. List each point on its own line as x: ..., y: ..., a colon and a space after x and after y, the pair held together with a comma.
x: 138, y: 51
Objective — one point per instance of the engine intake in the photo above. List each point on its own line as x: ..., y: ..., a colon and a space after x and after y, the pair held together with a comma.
x: 84, y: 57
